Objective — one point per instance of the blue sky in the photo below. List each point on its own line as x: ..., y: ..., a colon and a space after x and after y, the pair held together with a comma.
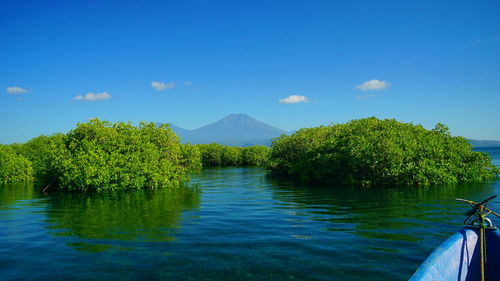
x: 291, y: 64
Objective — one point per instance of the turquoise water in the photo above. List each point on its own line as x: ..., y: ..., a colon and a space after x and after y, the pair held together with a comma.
x: 229, y: 224
x: 494, y: 152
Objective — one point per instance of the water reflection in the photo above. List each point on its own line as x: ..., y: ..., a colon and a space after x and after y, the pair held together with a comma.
x: 245, y: 227
x: 401, y: 214
x: 13, y: 193
x: 148, y: 215
x: 384, y: 232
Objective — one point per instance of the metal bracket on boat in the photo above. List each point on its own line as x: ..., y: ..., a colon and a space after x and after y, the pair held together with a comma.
x: 478, y: 213
x: 476, y: 216
x: 476, y: 224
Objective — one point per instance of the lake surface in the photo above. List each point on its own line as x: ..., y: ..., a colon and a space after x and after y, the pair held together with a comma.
x: 229, y: 224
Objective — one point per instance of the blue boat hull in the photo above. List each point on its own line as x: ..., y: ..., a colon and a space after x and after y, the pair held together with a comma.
x: 458, y: 258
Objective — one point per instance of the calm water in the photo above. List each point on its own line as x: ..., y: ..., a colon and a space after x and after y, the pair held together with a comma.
x: 230, y: 224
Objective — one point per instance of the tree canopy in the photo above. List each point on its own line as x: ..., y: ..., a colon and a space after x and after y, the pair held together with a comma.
x: 217, y: 155
x: 99, y: 156
x: 373, y: 151
x: 14, y: 167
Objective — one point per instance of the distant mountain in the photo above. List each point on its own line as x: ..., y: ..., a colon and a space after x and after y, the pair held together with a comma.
x: 180, y: 132
x: 234, y: 129
x: 485, y: 143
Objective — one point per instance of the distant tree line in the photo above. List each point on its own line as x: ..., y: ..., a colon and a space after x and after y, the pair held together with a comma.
x: 383, y: 152
x: 217, y: 155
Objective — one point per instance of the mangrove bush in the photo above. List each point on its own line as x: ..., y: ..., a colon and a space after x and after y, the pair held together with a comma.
x: 14, y: 167
x: 100, y: 156
x: 217, y: 155
x: 43, y: 152
x: 373, y: 151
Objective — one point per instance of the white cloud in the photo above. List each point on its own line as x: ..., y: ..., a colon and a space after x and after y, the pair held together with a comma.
x: 160, y: 86
x: 93, y: 97
x: 188, y: 83
x: 488, y: 40
x: 294, y: 99
x: 16, y: 90
x: 364, y: 97
x: 374, y: 84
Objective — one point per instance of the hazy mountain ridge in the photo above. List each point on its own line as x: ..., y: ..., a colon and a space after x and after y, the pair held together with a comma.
x: 243, y: 130
x: 234, y: 129
x: 484, y: 143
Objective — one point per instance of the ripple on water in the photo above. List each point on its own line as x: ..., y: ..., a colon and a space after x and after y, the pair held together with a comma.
x: 230, y: 224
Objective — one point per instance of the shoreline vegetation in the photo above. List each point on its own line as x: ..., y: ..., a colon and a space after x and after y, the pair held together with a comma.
x: 371, y: 151
x: 102, y: 156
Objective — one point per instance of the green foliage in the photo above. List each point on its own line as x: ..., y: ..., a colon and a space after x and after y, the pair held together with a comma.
x: 256, y: 155
x: 373, y: 151
x: 14, y: 167
x: 99, y: 156
x: 191, y: 158
x: 210, y: 154
x: 103, y: 156
x: 231, y: 156
x: 217, y: 155
x: 43, y: 151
